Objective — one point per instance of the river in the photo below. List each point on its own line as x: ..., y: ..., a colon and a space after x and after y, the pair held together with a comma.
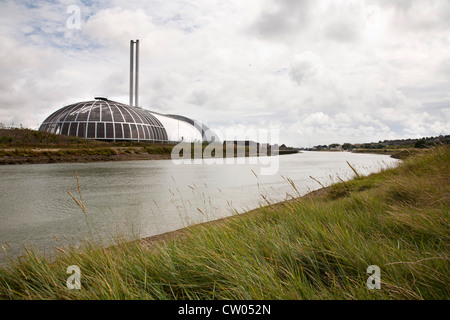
x: 145, y: 198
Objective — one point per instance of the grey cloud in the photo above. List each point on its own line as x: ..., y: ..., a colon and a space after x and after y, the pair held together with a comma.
x: 290, y: 16
x: 401, y: 5
x: 198, y: 98
x: 330, y: 73
x: 304, y: 68
x: 343, y: 31
x: 412, y: 16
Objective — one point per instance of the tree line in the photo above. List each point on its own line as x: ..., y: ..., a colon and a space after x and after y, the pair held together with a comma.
x: 420, y: 143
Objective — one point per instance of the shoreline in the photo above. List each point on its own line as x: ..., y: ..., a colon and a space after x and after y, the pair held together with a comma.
x: 178, y: 233
x: 23, y: 160
x: 151, y: 241
x: 312, y: 247
x: 46, y: 157
x: 400, y: 154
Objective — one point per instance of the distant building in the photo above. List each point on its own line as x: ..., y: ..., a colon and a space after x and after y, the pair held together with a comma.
x: 247, y: 143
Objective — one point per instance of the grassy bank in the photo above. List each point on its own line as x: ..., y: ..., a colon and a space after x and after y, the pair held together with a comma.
x: 82, y: 153
x: 314, y: 247
x: 25, y: 146
x: 397, y: 153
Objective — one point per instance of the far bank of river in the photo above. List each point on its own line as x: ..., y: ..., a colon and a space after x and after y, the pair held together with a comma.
x: 92, y: 154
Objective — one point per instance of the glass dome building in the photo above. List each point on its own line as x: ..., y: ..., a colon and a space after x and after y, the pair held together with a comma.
x: 103, y: 119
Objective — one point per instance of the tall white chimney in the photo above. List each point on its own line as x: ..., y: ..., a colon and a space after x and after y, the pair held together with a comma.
x: 136, y: 91
x: 134, y: 73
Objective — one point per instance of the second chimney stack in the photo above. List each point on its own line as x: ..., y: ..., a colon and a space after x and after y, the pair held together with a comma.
x: 134, y: 73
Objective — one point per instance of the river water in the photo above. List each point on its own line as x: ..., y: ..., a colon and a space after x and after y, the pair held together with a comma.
x: 145, y: 198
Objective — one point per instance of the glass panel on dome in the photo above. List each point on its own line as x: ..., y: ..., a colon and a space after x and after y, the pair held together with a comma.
x: 64, y: 112
x: 95, y: 113
x: 109, y: 131
x: 51, y: 128
x: 91, y: 130
x: 152, y: 133
x: 141, y: 132
x: 84, y: 112
x: 59, y: 115
x: 72, y: 115
x: 126, y: 131
x: 73, y: 129
x: 81, y: 130
x: 134, y: 131
x: 164, y: 134
x: 119, y: 134
x: 160, y: 135
x: 65, y: 129
x: 100, y: 130
x: 116, y: 114
x: 126, y: 114
x: 58, y: 128
x: 53, y: 117
x: 151, y: 120
x: 106, y: 114
x: 146, y: 132
x: 158, y: 123
x: 146, y: 119
x: 135, y: 115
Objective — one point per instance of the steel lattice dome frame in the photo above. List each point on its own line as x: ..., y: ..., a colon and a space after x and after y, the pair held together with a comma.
x: 103, y: 119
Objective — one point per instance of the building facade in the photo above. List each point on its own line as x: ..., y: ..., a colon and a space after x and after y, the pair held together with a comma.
x: 104, y: 119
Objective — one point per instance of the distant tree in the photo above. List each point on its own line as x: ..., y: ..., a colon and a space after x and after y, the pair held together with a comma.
x: 347, y: 146
x: 420, y: 144
x: 320, y: 147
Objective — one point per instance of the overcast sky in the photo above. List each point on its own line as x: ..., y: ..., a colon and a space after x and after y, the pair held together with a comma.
x: 320, y: 71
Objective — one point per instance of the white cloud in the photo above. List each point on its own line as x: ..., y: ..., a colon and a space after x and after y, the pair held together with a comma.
x: 346, y: 71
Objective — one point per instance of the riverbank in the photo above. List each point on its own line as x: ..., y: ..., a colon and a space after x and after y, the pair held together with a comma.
x: 314, y: 247
x: 25, y: 146
x: 172, y: 235
x: 82, y: 155
x: 399, y: 153
x: 72, y: 155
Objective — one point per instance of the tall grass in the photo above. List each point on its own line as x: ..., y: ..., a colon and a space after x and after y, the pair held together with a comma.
x: 316, y: 247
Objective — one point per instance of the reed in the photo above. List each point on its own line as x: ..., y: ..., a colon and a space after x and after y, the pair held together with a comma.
x: 315, y: 247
